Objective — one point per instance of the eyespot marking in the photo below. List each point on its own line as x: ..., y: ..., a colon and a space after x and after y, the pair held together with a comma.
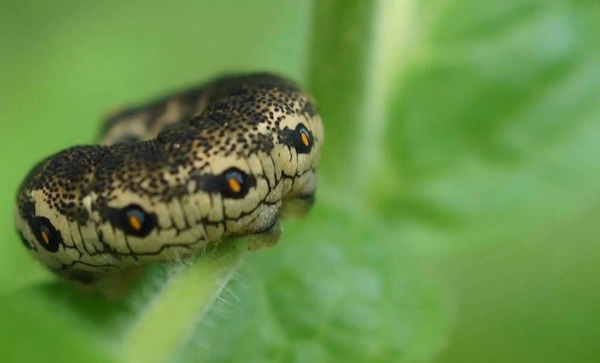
x: 305, y: 142
x: 232, y: 183
x: 301, y: 139
x: 47, y: 236
x: 305, y: 139
x: 133, y: 220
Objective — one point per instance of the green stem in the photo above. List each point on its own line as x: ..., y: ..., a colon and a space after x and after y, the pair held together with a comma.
x: 338, y: 75
x: 159, y: 331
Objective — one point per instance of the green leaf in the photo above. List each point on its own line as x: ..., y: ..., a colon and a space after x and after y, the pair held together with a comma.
x: 491, y: 124
x: 339, y: 287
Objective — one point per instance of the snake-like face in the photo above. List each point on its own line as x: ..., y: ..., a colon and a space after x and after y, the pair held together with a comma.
x: 249, y: 156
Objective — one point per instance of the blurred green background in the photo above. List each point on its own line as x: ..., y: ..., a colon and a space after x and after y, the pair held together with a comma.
x: 456, y: 218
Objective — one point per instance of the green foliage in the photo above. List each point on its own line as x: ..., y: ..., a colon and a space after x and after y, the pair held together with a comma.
x: 459, y: 184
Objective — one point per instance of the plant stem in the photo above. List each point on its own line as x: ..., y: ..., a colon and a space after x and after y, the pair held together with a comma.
x: 338, y: 75
x: 160, y: 330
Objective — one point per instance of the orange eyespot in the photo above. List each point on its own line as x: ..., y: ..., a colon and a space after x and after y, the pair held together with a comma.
x: 234, y: 185
x: 299, y: 138
x: 135, y: 222
x: 45, y: 237
x: 132, y: 219
x: 305, y: 139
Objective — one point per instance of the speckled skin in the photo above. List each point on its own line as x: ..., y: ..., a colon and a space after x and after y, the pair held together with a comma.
x: 169, y: 165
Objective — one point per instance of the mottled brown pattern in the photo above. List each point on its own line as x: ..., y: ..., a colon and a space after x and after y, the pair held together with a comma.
x: 171, y: 164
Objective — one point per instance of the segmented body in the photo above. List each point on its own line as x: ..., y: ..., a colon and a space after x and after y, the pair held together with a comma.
x: 224, y: 159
